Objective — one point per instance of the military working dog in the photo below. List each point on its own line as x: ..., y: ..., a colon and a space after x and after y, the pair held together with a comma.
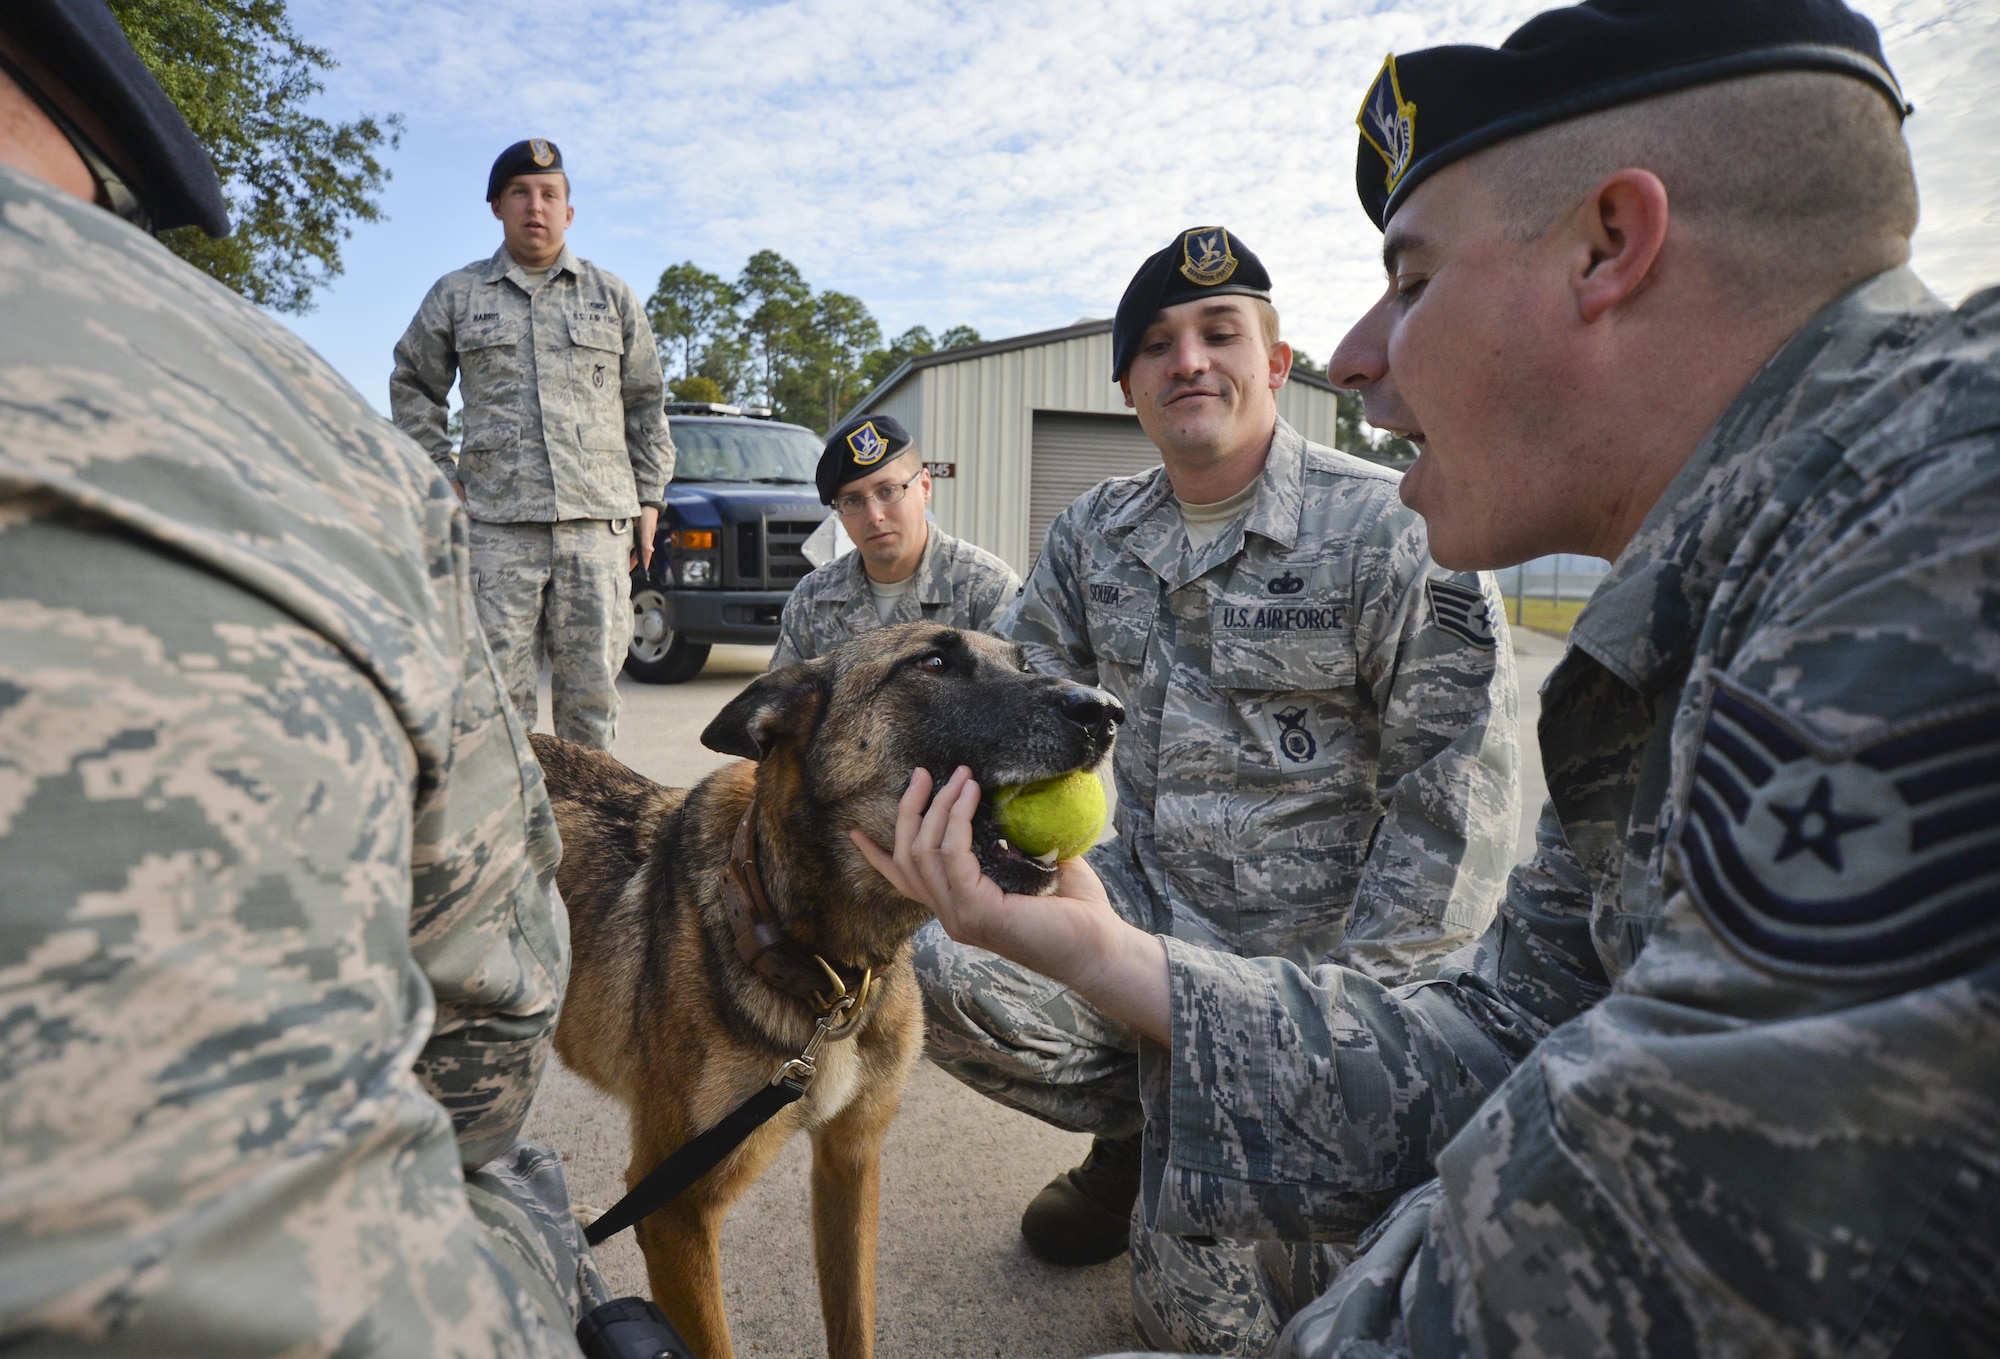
x: 711, y: 927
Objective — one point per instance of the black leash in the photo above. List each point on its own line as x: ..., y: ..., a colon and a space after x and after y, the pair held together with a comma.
x: 666, y: 1181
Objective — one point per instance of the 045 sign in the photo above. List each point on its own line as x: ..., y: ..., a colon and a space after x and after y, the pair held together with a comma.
x: 942, y: 471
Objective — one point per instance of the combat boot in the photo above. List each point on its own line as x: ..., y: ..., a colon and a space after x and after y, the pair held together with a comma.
x: 1084, y: 1215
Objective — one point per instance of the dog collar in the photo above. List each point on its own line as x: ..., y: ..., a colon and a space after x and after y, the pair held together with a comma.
x: 779, y: 960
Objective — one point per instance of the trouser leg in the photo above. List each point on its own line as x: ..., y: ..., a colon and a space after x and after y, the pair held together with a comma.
x: 589, y: 627
x: 511, y: 568
x: 522, y: 1201
x: 1030, y: 1043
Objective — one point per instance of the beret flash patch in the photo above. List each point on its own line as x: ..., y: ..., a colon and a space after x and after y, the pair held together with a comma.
x: 1206, y: 257
x: 539, y: 149
x: 1853, y: 862
x: 867, y: 445
x: 1388, y: 122
x: 1461, y: 611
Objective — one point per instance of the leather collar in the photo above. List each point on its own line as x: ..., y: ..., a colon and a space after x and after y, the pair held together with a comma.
x: 780, y: 961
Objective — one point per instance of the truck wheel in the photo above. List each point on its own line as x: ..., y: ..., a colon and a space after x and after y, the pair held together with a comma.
x: 658, y: 654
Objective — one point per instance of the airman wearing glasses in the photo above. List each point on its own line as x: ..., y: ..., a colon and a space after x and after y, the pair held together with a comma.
x: 904, y: 569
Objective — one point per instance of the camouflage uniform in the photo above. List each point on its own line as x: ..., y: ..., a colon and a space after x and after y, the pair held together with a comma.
x: 956, y: 584
x: 1318, y: 760
x: 565, y: 436
x: 1724, y: 1077
x: 280, y: 950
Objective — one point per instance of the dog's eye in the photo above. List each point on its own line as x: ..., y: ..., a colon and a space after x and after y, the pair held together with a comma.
x: 933, y: 663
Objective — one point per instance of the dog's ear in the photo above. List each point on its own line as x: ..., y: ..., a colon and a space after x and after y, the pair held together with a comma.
x: 781, y: 704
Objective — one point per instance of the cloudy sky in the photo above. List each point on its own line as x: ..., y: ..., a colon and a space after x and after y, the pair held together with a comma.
x: 965, y: 161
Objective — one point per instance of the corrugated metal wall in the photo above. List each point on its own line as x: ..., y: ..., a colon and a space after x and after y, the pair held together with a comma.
x: 979, y: 414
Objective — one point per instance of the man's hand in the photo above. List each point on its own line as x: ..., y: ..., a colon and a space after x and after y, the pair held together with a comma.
x: 1074, y: 937
x: 649, y: 528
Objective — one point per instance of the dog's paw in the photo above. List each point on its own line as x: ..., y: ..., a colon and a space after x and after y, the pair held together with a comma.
x: 585, y: 1213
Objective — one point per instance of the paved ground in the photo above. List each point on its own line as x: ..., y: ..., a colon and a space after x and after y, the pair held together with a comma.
x: 954, y: 1281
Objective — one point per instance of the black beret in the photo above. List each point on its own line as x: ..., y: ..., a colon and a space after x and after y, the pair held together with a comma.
x: 535, y: 156
x: 1202, y: 262
x: 1427, y: 109
x: 857, y: 446
x: 82, y: 46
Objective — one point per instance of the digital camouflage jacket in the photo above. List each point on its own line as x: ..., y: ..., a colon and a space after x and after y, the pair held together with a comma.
x: 957, y: 584
x: 1318, y: 752
x: 564, y: 413
x: 280, y: 950
x: 1724, y: 1076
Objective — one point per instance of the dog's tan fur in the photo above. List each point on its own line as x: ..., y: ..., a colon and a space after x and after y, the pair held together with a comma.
x: 662, y: 1013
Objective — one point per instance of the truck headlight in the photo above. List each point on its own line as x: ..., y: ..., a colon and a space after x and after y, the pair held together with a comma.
x: 697, y: 573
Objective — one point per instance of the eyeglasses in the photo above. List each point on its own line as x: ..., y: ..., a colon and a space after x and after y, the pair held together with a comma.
x: 851, y: 505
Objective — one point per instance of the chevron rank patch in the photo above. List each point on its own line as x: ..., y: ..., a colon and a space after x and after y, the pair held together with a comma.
x: 1849, y: 863
x: 1461, y: 610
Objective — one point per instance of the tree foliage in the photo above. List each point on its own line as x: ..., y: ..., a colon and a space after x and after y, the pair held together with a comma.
x: 296, y: 183
x: 768, y: 338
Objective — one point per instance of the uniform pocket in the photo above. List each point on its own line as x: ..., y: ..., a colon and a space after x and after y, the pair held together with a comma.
x: 1294, y: 903
x: 1294, y: 697
x: 1119, y: 620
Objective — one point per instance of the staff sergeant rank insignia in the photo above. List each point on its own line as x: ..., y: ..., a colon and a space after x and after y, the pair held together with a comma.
x: 1461, y: 611
x: 1206, y: 257
x: 867, y: 445
x: 1852, y: 861
x: 1389, y: 123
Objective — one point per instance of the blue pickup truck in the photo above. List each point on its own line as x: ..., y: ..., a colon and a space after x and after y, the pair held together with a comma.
x: 730, y: 545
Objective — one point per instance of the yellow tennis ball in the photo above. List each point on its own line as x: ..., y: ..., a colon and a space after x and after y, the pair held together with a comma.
x: 1062, y: 815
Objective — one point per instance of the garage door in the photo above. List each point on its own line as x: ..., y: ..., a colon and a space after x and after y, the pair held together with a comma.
x: 1072, y: 453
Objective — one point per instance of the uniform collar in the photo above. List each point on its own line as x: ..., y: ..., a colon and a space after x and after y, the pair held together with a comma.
x: 1159, y: 540
x: 933, y: 576
x: 1643, y: 622
x: 503, y: 265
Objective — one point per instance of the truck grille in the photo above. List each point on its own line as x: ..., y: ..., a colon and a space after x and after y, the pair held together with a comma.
x: 768, y: 554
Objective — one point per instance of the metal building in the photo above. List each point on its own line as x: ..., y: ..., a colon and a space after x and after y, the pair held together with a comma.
x: 1026, y: 425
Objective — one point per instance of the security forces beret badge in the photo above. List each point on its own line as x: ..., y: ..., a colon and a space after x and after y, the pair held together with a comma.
x: 1862, y: 861
x: 1388, y: 122
x: 867, y: 445
x: 538, y: 150
x: 1206, y: 257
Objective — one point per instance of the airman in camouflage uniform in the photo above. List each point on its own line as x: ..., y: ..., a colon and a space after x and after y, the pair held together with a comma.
x: 280, y: 949
x: 871, y: 473
x: 1318, y: 761
x: 1724, y: 1077
x: 565, y: 439
x: 957, y: 584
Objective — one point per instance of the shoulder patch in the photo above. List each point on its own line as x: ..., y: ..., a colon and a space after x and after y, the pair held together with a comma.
x: 1850, y: 863
x: 1461, y: 611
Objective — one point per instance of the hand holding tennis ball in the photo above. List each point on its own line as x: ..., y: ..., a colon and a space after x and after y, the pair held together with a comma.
x: 1052, y: 819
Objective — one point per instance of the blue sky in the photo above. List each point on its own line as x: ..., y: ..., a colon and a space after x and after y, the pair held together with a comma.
x: 1001, y: 165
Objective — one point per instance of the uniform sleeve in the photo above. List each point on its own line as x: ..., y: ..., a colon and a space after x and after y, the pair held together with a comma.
x: 990, y: 591
x: 420, y: 385
x: 1298, y: 1104
x: 1046, y: 617
x: 648, y: 441
x: 795, y: 641
x: 487, y: 924
x: 1436, y: 657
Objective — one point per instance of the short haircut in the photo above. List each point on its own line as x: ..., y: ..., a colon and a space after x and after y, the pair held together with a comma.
x: 1267, y: 321
x: 1785, y: 177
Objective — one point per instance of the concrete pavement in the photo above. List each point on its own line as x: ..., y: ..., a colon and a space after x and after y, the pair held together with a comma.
x: 953, y: 1279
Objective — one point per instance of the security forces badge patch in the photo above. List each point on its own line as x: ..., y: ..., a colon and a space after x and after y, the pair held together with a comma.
x: 1388, y: 122
x: 867, y: 445
x: 1461, y: 611
x: 538, y: 148
x: 1206, y: 258
x: 1863, y: 861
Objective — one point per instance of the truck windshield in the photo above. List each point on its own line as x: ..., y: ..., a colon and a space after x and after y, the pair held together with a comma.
x: 742, y: 450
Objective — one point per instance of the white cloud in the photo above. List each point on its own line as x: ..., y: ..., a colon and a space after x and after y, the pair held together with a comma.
x: 1010, y: 164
